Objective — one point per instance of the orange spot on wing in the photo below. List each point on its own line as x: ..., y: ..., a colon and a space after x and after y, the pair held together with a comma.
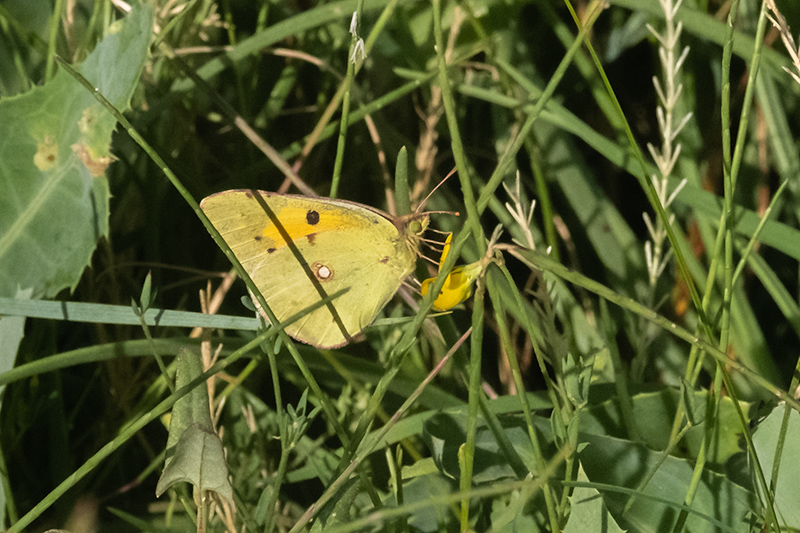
x: 298, y: 224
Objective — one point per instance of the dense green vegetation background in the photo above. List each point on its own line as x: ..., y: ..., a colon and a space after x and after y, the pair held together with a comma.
x: 665, y: 385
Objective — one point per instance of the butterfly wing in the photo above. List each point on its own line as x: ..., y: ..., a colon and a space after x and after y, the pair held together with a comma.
x: 298, y: 249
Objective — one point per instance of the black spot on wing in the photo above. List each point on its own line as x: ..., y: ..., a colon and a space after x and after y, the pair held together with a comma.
x: 258, y: 238
x: 311, y: 237
x: 385, y: 260
x: 312, y: 217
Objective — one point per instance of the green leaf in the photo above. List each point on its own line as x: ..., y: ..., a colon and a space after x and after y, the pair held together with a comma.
x: 693, y: 405
x: 54, y: 149
x: 719, y: 504
x: 430, y: 488
x: 589, y: 512
x: 194, y: 450
x: 445, y: 433
x: 192, y: 408
x: 654, y: 412
x: 12, y: 329
x: 120, y: 314
x: 766, y: 441
x: 148, y: 294
x: 338, y: 511
x: 512, y: 514
x: 200, y: 460
x: 402, y: 196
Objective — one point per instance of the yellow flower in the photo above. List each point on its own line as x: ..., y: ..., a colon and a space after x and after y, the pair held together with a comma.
x: 458, y: 285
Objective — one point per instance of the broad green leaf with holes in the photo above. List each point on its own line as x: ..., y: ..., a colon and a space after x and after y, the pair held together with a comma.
x: 54, y: 150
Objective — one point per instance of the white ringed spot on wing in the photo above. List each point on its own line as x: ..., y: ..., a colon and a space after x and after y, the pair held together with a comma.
x: 323, y: 272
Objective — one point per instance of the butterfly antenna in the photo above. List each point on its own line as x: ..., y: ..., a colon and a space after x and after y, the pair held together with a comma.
x: 452, y: 172
x: 455, y: 213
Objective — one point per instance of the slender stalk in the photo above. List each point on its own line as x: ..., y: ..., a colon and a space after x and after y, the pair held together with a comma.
x: 475, y: 392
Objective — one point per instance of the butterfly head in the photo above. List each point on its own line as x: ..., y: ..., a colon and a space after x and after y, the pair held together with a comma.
x: 412, y: 227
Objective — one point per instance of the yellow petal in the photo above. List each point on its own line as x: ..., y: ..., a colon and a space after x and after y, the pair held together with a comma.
x: 445, y: 250
x: 457, y: 287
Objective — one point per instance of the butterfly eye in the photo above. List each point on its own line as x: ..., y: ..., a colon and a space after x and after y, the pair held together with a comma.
x: 417, y: 226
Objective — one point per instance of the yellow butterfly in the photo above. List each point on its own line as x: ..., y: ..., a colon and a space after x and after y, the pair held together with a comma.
x: 299, y: 250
